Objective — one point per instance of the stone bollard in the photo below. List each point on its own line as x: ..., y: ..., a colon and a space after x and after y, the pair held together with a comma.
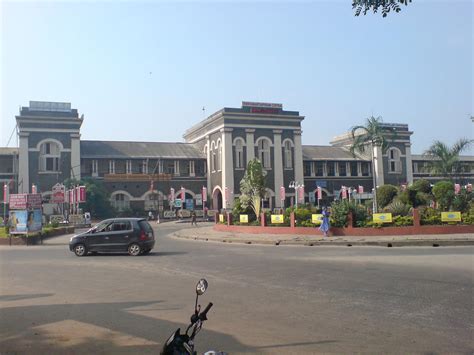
x: 416, y: 217
x: 229, y: 218
x: 263, y: 221
x: 350, y: 220
x: 292, y: 220
x: 216, y: 217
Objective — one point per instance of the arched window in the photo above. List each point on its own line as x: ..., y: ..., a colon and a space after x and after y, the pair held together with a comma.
x: 264, y: 153
x: 287, y: 155
x: 239, y: 153
x: 49, y: 157
x: 121, y: 201
x: 394, y: 163
x: 219, y: 157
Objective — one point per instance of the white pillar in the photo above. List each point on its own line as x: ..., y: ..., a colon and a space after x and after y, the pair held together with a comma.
x: 298, y: 157
x: 378, y: 162
x: 23, y: 166
x: 250, y: 144
x: 409, y: 163
x: 208, y: 167
x: 75, y: 156
x: 277, y: 165
x: 227, y: 167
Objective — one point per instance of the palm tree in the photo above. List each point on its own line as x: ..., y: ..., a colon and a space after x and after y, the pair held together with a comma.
x: 372, y: 134
x: 444, y: 160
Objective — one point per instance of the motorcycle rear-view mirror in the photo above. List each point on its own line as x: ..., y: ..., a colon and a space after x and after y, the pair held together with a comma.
x: 201, y: 287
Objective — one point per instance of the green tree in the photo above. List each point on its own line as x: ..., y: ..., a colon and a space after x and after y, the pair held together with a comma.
x: 252, y: 187
x: 443, y: 192
x: 98, y: 199
x: 444, y: 160
x: 369, y: 136
x: 364, y: 6
x: 385, y: 195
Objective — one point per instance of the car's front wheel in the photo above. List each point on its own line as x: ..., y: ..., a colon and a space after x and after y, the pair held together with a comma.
x: 80, y: 250
x: 134, y: 249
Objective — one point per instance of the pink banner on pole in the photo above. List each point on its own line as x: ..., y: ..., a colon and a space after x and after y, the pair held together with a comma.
x: 6, y: 192
x: 82, y: 194
x: 360, y: 189
x: 171, y: 194
x: 183, y: 193
x: 320, y: 193
x: 301, y: 193
x: 457, y: 188
x: 33, y: 189
x: 469, y: 187
x: 204, y: 194
x: 344, y: 192
x: 282, y: 193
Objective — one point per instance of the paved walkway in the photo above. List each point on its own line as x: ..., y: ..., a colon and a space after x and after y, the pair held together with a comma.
x: 205, y: 232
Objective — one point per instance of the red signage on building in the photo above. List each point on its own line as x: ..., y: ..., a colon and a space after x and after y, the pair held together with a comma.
x: 58, y: 191
x: 25, y: 201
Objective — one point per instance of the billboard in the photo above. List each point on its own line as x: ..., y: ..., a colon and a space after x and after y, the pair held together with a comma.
x: 23, y: 221
x: 25, y: 201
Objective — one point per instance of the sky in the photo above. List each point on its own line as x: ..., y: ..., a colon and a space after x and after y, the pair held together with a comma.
x: 143, y: 71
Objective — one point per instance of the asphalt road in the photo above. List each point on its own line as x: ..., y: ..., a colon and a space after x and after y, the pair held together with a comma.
x: 267, y: 299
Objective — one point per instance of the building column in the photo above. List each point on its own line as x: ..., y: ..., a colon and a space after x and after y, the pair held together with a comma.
x: 208, y: 168
x: 378, y: 163
x: 76, y: 156
x: 23, y: 165
x: 277, y: 165
x: 409, y: 163
x: 298, y: 157
x: 227, y: 167
x: 250, y: 144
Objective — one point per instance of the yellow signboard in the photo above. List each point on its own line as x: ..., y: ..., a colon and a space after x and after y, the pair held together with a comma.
x: 278, y: 218
x: 221, y: 218
x: 316, y: 218
x: 450, y: 216
x: 244, y: 218
x: 382, y: 217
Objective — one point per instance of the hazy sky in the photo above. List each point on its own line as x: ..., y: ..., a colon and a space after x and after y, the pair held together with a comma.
x: 143, y: 71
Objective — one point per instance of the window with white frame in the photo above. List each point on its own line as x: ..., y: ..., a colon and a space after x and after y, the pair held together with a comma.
x: 219, y: 157
x: 239, y: 154
x: 288, y: 156
x: 121, y: 201
x: 394, y: 163
x: 144, y: 167
x: 50, y: 155
x: 111, y: 166
x: 128, y: 167
x: 264, y: 153
x: 95, y: 168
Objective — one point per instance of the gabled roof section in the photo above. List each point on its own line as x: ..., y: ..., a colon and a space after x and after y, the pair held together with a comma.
x: 327, y: 152
x: 118, y: 149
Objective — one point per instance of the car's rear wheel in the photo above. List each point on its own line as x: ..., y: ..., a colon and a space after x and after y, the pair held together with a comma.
x: 134, y: 249
x: 80, y: 250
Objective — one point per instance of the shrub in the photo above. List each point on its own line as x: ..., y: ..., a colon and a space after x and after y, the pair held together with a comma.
x: 340, y: 210
x: 385, y: 195
x: 402, y: 221
x: 461, y: 201
x: 430, y: 216
x: 422, y: 186
x: 443, y: 192
x: 55, y: 224
x: 398, y: 208
x: 374, y: 224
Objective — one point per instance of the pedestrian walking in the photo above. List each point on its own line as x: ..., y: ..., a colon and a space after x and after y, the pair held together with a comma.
x: 158, y: 218
x: 150, y: 216
x: 193, y: 218
x: 324, y: 227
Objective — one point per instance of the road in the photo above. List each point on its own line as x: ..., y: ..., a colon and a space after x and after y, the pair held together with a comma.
x: 267, y: 299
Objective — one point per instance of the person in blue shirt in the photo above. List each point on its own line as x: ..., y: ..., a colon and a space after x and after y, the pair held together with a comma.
x: 324, y: 227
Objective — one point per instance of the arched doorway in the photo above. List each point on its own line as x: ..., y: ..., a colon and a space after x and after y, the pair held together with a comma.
x: 217, y: 199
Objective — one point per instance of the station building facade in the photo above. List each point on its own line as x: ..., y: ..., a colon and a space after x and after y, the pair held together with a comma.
x: 214, y: 154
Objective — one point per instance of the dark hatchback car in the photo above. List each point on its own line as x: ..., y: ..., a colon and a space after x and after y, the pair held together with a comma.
x: 115, y: 235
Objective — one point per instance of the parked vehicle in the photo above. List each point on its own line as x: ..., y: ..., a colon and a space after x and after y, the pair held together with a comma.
x: 183, y: 344
x: 132, y: 235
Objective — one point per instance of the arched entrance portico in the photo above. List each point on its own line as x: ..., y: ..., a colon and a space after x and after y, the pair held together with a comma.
x: 217, y: 199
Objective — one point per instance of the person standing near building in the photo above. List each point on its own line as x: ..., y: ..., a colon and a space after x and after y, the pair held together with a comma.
x: 193, y: 218
x: 325, y: 224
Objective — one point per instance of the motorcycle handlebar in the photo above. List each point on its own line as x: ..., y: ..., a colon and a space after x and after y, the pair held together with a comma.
x: 203, y: 314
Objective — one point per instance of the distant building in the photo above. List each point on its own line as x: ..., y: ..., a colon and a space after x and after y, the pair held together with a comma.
x: 140, y: 175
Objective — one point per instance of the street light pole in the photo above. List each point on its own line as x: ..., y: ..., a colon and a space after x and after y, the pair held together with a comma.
x: 296, y: 186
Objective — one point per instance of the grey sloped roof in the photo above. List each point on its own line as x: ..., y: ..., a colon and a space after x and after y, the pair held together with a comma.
x: 327, y: 152
x: 117, y: 149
